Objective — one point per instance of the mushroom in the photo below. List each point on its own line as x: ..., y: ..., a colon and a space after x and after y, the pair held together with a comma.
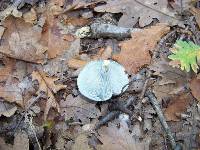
x: 101, y: 79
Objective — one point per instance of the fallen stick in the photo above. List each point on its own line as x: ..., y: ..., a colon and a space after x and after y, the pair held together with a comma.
x: 113, y: 114
x: 162, y: 119
x: 99, y: 30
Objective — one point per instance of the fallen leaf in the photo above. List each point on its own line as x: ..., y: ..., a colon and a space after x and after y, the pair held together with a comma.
x: 30, y: 16
x: 7, y: 109
x: 81, y: 143
x: 195, y: 88
x: 77, y: 21
x: 21, y: 142
x: 196, y: 13
x: 177, y: 106
x: 58, y: 65
x: 2, y: 29
x: 47, y: 85
x: 11, y: 92
x: 17, y: 43
x: 168, y: 73
x: 6, y: 68
x: 78, y: 4
x: 76, y: 63
x: 4, y: 145
x: 114, y: 138
x: 143, y: 11
x: 78, y: 109
x: 135, y: 52
x: 181, y: 5
x: 171, y: 81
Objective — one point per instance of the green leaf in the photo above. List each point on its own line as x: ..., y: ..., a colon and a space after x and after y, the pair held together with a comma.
x: 187, y: 54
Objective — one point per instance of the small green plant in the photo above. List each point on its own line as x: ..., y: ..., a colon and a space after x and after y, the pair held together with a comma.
x: 187, y: 54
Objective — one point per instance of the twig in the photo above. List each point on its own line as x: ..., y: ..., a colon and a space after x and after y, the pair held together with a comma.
x: 161, y: 117
x: 30, y: 121
x: 113, y: 114
x: 101, y: 30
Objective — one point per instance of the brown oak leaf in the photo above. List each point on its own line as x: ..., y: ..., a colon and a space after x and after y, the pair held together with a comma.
x: 47, y: 85
x: 135, y: 52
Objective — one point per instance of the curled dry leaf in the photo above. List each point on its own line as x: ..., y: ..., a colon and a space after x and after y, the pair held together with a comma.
x: 135, y: 52
x: 78, y: 109
x: 177, y: 106
x: 143, y: 10
x: 114, y: 138
x: 47, y: 85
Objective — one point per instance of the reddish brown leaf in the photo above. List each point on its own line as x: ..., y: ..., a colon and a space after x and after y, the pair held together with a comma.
x: 177, y: 106
x: 195, y: 88
x: 135, y: 52
x: 76, y: 63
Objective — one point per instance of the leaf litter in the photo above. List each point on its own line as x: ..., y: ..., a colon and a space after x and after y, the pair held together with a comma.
x: 41, y: 57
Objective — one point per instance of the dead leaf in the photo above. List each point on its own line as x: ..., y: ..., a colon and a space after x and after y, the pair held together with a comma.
x: 7, y: 109
x: 30, y: 16
x: 4, y: 146
x: 114, y: 138
x: 195, y: 88
x: 78, y: 4
x: 6, y: 68
x: 47, y: 85
x: 81, y: 143
x: 58, y: 65
x: 135, y: 52
x: 18, y: 44
x: 2, y: 29
x: 78, y: 109
x: 76, y: 63
x: 76, y: 21
x: 180, y: 5
x: 172, y: 81
x: 12, y: 93
x: 177, y: 106
x: 196, y: 13
x: 143, y: 11
x: 21, y: 142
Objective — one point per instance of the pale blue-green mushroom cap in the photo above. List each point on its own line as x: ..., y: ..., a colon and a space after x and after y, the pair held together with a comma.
x: 101, y: 79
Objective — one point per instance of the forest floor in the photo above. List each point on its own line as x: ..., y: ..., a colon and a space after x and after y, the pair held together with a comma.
x: 45, y: 44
